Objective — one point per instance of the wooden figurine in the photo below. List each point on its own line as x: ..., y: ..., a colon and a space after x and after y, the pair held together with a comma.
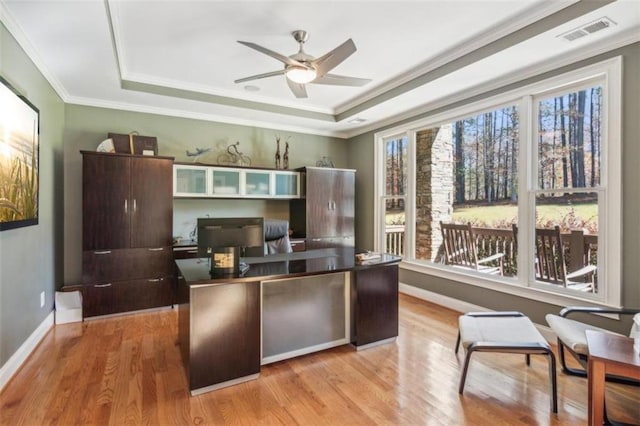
x: 277, y: 152
x: 285, y: 157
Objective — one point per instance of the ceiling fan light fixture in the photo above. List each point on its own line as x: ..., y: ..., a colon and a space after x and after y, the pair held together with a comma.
x: 301, y: 75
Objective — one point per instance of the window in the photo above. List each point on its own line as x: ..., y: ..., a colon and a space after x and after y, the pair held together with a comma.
x: 394, y: 159
x: 533, y: 173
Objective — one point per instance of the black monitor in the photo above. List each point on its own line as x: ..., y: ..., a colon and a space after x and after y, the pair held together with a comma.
x: 246, y: 233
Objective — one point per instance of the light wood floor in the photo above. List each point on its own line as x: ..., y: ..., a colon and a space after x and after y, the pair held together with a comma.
x: 127, y: 370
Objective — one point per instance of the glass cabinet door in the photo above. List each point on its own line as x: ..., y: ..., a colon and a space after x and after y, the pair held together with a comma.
x: 190, y: 181
x: 287, y: 184
x: 257, y: 183
x: 226, y: 182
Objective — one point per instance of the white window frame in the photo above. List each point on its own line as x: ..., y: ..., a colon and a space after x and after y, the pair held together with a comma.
x: 381, y: 191
x: 609, y: 73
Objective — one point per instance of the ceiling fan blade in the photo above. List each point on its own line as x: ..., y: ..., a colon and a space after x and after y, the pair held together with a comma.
x: 298, y: 89
x: 282, y: 58
x: 329, y: 61
x: 259, y: 76
x: 341, y: 80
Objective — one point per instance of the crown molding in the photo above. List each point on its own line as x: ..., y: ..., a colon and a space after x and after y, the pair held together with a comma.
x: 126, y: 75
x: 230, y: 94
x: 23, y: 41
x: 98, y: 103
x: 623, y: 39
x: 499, y: 30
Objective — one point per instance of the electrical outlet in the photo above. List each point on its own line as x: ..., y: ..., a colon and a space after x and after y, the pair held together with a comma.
x: 42, y: 299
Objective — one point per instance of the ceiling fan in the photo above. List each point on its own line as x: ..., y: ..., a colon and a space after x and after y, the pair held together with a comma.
x: 301, y: 68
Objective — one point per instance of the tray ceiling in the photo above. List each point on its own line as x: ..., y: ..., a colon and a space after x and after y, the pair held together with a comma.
x: 182, y: 57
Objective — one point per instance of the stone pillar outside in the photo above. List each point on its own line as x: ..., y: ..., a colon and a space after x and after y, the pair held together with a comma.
x: 434, y: 188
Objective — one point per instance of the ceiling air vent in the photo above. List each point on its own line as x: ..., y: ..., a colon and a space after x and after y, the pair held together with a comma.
x: 590, y: 28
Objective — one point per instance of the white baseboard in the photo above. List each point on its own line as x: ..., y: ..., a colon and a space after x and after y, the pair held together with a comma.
x: 14, y: 363
x: 463, y: 307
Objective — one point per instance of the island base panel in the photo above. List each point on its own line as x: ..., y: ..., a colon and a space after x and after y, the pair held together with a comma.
x: 303, y: 313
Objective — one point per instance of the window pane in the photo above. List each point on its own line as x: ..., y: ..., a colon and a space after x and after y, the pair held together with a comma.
x: 566, y: 251
x: 394, y: 229
x: 569, y: 140
x: 395, y: 152
x: 466, y: 172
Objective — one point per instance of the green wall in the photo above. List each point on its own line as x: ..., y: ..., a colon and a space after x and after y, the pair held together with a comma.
x: 361, y: 155
x: 30, y: 257
x: 86, y: 127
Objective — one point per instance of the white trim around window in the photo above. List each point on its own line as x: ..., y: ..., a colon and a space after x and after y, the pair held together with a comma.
x: 609, y: 74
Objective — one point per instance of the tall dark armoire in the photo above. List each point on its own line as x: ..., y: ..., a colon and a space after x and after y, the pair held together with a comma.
x: 127, y: 223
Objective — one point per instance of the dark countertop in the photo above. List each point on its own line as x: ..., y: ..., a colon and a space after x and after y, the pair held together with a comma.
x: 277, y: 266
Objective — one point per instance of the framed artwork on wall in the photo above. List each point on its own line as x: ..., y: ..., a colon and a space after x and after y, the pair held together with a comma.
x: 19, y: 159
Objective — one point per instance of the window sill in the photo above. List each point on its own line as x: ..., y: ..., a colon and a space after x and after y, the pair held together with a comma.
x: 513, y: 288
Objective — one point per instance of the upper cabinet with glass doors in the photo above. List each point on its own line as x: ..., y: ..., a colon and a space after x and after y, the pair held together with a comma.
x: 191, y: 181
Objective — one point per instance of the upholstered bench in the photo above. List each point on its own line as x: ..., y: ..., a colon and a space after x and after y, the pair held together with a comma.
x: 505, y: 332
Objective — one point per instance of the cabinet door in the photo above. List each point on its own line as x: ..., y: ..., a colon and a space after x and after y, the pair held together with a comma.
x: 226, y: 182
x: 105, y: 201
x: 190, y: 181
x: 101, y: 266
x: 257, y: 184
x: 330, y: 203
x: 98, y: 299
x: 151, y: 202
x: 344, y: 202
x: 287, y: 184
x: 125, y: 296
x: 146, y: 293
x: 320, y: 220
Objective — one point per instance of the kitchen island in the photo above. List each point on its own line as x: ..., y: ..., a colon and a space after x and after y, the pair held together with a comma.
x: 282, y: 306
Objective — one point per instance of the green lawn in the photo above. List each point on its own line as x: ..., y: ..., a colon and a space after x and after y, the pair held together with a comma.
x: 574, y: 216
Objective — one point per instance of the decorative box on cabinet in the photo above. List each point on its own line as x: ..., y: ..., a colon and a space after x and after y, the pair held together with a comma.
x: 127, y: 259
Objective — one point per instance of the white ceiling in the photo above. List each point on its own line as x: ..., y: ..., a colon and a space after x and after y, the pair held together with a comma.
x: 180, y: 57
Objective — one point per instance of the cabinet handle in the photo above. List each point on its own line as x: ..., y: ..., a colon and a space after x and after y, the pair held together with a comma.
x: 126, y: 206
x: 316, y: 239
x: 102, y: 285
x: 192, y: 251
x: 156, y: 249
x: 155, y: 280
x: 102, y: 252
x: 135, y: 205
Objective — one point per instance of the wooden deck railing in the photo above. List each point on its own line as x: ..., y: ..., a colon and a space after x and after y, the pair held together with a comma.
x: 581, y: 248
x: 394, y: 239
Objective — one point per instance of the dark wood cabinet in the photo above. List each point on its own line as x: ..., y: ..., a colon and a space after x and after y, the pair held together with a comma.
x: 129, y: 295
x: 219, y: 332
x: 127, y: 259
x: 127, y: 201
x: 375, y: 314
x: 325, y: 217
